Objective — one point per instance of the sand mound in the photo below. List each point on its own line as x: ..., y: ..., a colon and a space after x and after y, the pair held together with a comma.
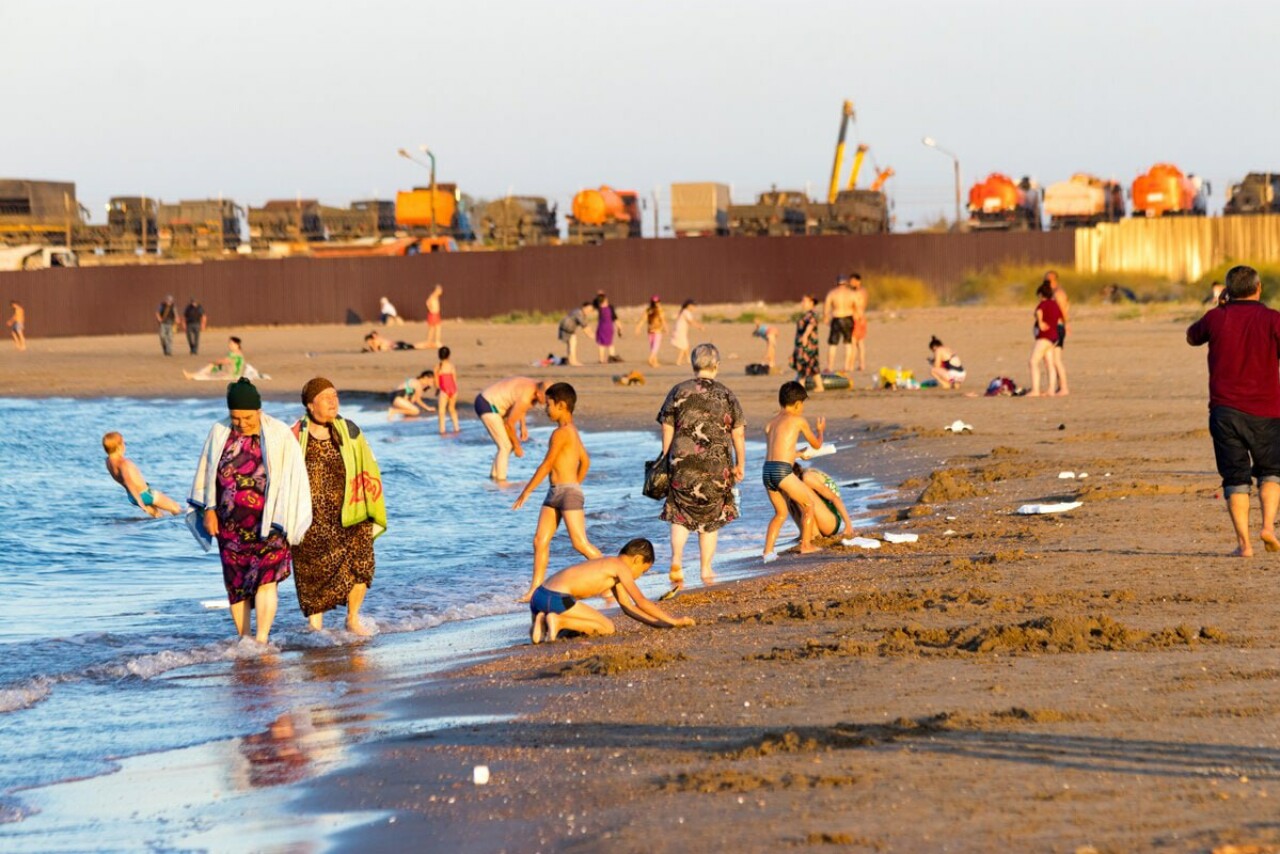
x: 611, y: 663
x: 1046, y: 635
x: 948, y: 485
x: 708, y: 782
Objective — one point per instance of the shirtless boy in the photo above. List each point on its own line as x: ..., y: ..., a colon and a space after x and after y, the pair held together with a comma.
x: 567, y: 463
x: 124, y: 472
x: 859, y: 323
x: 555, y: 605
x: 780, y: 482
x: 17, y: 323
x: 435, y: 329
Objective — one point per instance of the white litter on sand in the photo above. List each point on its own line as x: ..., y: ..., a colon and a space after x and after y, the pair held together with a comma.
x: 862, y: 543
x: 901, y: 538
x: 1038, y: 509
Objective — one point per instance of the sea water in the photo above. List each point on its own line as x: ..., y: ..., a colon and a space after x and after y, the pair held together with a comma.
x: 113, y: 641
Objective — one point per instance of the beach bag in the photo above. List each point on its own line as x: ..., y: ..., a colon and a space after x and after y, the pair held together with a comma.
x: 657, y: 478
x: 756, y: 369
x: 1002, y: 387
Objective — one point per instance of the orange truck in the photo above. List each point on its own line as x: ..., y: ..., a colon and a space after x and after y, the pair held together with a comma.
x: 604, y: 214
x: 1165, y: 191
x: 996, y: 202
x: 419, y: 209
x: 1083, y: 201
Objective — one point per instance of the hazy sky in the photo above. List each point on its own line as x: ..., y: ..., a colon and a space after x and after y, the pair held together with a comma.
x: 272, y: 98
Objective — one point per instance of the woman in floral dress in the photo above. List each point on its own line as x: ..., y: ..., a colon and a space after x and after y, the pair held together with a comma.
x: 804, y: 359
x: 703, y: 438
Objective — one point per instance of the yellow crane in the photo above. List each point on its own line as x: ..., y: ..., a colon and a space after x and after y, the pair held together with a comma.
x: 846, y: 114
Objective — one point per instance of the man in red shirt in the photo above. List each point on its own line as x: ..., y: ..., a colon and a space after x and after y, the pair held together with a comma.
x: 1244, y: 401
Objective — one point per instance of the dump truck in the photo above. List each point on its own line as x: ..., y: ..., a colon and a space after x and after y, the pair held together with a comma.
x: 1165, y: 191
x: 1259, y: 192
x: 700, y: 209
x: 422, y: 212
x: 997, y: 203
x: 776, y: 213
x: 604, y: 214
x: 131, y: 224
x: 285, y: 221
x: 38, y: 211
x: 199, y: 227
x: 516, y: 221
x: 1083, y: 201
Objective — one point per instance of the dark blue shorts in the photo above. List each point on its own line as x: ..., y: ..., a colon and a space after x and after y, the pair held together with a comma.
x: 546, y: 601
x: 1246, y: 447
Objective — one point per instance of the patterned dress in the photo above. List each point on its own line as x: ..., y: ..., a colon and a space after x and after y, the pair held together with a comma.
x: 804, y: 359
x: 248, y: 561
x: 331, y: 559
x: 704, y: 414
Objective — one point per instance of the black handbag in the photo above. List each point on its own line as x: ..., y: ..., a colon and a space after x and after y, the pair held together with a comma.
x: 657, y: 478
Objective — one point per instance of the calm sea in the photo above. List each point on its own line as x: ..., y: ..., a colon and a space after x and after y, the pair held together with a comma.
x: 108, y: 650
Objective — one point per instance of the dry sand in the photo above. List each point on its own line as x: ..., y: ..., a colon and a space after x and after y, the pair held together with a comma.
x: 1101, y: 680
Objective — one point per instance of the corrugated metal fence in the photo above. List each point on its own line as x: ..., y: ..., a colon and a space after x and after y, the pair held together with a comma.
x: 114, y: 300
x: 1182, y: 248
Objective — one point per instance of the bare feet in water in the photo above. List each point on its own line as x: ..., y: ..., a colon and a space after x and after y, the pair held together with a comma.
x: 808, y: 550
x: 708, y: 577
x: 358, y: 628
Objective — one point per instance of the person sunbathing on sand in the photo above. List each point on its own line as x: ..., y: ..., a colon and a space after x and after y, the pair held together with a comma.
x: 556, y: 606
x: 126, y: 473
x: 780, y: 482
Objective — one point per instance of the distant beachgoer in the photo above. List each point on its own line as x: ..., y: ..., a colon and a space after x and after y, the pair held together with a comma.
x: 780, y: 481
x: 1244, y: 401
x: 1064, y: 305
x: 126, y: 473
x: 435, y: 321
x: 680, y: 336
x: 407, y: 400
x: 838, y: 310
x: 704, y: 441
x: 252, y: 492
x: 334, y: 563
x: 1048, y: 318
x: 1117, y: 293
x: 375, y: 343
x: 804, y: 357
x: 18, y: 324
x: 387, y: 312
x: 945, y: 365
x: 859, y: 320
x: 229, y: 367
x: 830, y: 516
x: 655, y: 323
x: 556, y: 604
x: 769, y: 335
x: 573, y: 323
x: 166, y: 319
x: 502, y: 408
x: 566, y: 464
x: 447, y: 383
x: 194, y: 321
x: 607, y: 328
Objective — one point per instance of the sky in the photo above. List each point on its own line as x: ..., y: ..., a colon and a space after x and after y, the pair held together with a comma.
x: 280, y: 98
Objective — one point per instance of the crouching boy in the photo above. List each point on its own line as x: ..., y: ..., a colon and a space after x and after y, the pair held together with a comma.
x: 555, y: 605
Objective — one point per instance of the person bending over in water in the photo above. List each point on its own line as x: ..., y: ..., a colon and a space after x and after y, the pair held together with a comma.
x: 829, y: 514
x: 126, y: 473
x: 780, y: 482
x: 556, y: 604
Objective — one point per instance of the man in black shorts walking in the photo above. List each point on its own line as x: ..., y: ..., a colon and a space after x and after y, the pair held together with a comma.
x: 838, y: 310
x: 1244, y: 401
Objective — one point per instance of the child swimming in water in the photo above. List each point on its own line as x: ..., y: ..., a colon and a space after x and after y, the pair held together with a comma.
x: 780, y: 482
x: 555, y: 605
x: 124, y: 472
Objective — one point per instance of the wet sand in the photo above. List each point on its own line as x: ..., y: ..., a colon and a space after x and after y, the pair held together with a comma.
x: 1099, y: 680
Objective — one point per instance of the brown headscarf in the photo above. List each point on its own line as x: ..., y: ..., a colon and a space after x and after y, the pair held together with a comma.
x: 313, y: 388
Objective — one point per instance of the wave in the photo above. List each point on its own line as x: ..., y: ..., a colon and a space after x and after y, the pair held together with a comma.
x: 25, y: 694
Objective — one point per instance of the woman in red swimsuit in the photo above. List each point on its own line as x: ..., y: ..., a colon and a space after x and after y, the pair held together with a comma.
x: 1048, y: 316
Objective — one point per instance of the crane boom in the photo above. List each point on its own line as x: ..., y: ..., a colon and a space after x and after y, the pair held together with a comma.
x: 846, y: 113
x: 859, y: 154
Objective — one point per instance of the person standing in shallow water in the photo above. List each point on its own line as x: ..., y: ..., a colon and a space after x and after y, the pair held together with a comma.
x: 251, y: 492
x: 1244, y: 401
x: 334, y: 563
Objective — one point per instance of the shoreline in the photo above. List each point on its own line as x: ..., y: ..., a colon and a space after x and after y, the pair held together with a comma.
x: 1101, y: 678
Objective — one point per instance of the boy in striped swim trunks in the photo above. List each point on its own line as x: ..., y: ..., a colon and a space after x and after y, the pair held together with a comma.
x: 780, y: 482
x: 566, y: 463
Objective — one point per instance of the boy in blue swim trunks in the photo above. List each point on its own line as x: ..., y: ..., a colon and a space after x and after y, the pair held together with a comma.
x: 556, y: 604
x: 122, y: 469
x: 780, y: 482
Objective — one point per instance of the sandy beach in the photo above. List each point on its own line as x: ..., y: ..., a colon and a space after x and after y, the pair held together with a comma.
x: 1100, y: 680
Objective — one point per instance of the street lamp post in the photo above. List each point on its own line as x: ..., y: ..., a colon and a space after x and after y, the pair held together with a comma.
x: 427, y: 151
x: 930, y: 142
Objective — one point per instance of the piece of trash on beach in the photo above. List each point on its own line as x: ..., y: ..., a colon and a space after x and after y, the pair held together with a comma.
x: 948, y: 533
x: 480, y: 774
x: 826, y: 450
x: 215, y: 604
x: 901, y: 538
x: 958, y: 426
x: 861, y: 543
x: 952, y: 518
x: 1066, y: 475
x: 1038, y: 509
x: 670, y: 594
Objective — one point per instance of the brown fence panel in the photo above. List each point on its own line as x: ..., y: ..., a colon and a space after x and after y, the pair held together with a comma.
x: 117, y: 300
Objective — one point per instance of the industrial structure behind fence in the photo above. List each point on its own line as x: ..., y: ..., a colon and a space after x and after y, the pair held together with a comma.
x: 117, y: 300
x: 1181, y: 248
